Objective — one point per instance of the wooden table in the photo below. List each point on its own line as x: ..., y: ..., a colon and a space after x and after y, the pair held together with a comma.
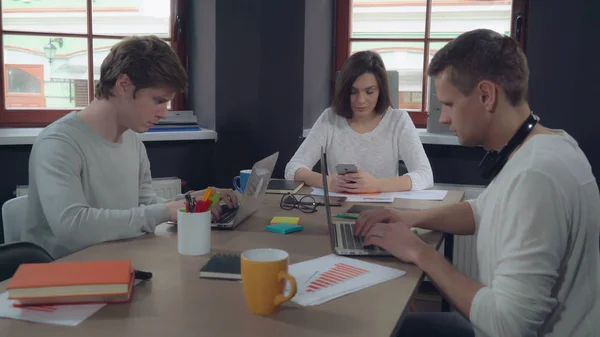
x: 178, y: 303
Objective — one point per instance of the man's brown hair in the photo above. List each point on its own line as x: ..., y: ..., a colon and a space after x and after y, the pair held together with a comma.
x: 358, y: 64
x: 484, y: 54
x: 148, y: 61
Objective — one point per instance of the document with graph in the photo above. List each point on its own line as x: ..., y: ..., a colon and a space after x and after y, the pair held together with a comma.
x: 329, y: 277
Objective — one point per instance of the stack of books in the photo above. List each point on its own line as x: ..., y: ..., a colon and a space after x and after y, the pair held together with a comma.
x: 177, y: 121
x: 72, y: 283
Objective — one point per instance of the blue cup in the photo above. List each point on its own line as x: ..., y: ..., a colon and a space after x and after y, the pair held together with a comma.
x: 240, y: 182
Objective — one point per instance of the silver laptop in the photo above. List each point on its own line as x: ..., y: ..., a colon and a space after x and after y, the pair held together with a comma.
x: 341, y: 233
x: 253, y: 194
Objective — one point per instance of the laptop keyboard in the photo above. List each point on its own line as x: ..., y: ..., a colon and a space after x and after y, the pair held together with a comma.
x: 349, y: 241
x: 228, y: 215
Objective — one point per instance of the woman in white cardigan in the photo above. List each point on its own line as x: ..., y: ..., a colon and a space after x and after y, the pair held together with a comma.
x: 362, y: 128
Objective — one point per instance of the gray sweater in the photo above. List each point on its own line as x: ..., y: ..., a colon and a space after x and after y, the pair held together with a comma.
x: 84, y: 190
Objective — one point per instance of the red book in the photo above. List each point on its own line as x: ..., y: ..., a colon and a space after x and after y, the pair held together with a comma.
x: 72, y: 282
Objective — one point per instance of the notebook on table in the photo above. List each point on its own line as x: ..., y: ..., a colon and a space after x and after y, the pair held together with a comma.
x: 72, y: 282
x: 223, y: 267
x: 282, y: 186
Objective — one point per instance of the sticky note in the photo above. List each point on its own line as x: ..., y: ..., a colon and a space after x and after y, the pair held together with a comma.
x: 283, y: 228
x: 285, y: 220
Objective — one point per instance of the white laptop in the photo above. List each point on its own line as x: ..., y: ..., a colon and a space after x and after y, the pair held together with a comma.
x: 253, y: 194
x: 341, y: 233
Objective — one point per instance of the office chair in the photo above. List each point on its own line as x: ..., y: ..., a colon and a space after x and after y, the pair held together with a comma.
x: 13, y: 218
x: 402, y: 170
x: 14, y: 254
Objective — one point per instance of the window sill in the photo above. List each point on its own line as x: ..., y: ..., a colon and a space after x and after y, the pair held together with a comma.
x: 26, y: 136
x: 426, y: 137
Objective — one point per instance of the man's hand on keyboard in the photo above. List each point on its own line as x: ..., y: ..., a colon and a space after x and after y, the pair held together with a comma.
x: 367, y: 219
x: 216, y: 213
x: 229, y: 197
x: 398, y: 240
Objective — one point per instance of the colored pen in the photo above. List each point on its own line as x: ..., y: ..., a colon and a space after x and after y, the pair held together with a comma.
x: 206, y: 206
x: 207, y: 194
x: 190, y: 203
x: 346, y: 216
x: 214, y: 199
x: 198, y: 206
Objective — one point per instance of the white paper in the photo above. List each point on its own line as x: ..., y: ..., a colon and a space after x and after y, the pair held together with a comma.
x: 422, y: 195
x: 374, y: 197
x: 331, y: 276
x: 68, y: 314
x: 388, y: 196
x: 64, y: 314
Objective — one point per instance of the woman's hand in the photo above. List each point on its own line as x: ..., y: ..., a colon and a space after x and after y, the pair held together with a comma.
x: 335, y: 183
x: 360, y: 182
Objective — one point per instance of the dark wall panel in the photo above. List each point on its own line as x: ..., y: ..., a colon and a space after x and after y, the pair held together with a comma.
x: 259, y: 82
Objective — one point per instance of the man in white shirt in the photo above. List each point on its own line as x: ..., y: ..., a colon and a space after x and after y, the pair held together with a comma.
x: 537, y: 223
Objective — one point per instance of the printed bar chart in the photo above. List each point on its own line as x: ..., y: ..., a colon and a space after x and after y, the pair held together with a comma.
x: 339, y: 273
x: 328, y: 277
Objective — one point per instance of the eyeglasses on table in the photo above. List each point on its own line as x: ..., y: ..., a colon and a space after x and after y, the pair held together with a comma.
x: 305, y: 203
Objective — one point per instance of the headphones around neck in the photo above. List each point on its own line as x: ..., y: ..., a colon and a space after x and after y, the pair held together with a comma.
x: 493, y: 161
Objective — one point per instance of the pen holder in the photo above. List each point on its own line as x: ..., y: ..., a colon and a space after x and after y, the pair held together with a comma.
x: 193, y: 233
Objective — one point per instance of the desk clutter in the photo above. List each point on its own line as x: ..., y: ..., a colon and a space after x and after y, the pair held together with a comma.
x: 318, y: 280
x: 208, y: 201
x: 89, y: 286
x: 75, y: 291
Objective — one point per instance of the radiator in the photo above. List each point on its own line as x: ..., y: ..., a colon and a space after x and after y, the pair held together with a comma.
x: 21, y: 190
x: 167, y: 187
x: 465, y: 256
x: 465, y: 248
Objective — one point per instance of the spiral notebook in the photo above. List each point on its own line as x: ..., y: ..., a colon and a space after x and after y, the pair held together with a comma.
x: 222, y: 266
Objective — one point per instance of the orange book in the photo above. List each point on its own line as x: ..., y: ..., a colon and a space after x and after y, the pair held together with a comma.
x: 72, y: 282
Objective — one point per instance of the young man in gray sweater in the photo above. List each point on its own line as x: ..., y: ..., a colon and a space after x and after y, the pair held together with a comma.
x: 89, y: 174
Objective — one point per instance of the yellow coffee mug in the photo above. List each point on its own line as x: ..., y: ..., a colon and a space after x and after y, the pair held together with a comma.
x: 264, y: 272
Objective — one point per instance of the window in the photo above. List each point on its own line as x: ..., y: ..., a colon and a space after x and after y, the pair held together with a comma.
x: 408, y: 33
x: 52, y: 51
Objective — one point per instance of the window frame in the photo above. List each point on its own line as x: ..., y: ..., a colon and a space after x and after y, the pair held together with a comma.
x: 343, y: 40
x: 43, y: 117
